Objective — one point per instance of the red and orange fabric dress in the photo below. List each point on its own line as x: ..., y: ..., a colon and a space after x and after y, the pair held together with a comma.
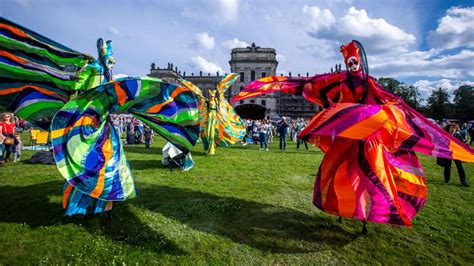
x: 370, y: 171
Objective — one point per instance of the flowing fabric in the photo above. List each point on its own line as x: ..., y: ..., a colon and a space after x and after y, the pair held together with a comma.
x: 219, y: 124
x: 57, y: 88
x: 87, y: 148
x: 370, y: 171
x: 38, y: 74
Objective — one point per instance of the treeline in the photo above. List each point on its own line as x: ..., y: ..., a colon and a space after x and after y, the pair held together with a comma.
x: 438, y: 105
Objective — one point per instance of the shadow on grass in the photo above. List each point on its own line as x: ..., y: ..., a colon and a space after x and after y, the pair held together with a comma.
x: 265, y: 227
x: 140, y: 148
x: 31, y: 205
x: 147, y: 164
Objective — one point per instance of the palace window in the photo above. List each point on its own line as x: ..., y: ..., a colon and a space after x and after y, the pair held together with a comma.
x: 264, y: 74
x: 252, y: 101
x: 252, y: 75
x: 241, y: 88
x: 263, y: 102
x: 242, y: 76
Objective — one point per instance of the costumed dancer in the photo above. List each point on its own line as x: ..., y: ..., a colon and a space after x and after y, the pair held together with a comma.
x: 219, y: 124
x: 370, y: 171
x: 53, y: 86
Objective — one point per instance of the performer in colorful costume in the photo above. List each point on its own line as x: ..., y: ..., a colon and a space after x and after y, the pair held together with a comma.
x: 369, y: 136
x: 220, y: 125
x: 57, y: 88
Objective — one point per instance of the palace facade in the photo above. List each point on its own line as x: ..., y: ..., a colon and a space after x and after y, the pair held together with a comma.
x: 250, y: 63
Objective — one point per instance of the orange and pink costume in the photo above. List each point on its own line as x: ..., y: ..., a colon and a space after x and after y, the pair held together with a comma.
x: 370, y: 171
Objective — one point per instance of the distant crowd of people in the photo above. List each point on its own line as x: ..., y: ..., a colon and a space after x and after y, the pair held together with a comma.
x: 136, y: 132
x: 463, y: 131
x: 264, y: 131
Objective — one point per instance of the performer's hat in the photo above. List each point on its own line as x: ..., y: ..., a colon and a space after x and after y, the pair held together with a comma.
x: 350, y: 50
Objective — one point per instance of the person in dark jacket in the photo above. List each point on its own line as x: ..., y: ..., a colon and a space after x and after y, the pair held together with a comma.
x: 456, y: 132
x: 282, y: 131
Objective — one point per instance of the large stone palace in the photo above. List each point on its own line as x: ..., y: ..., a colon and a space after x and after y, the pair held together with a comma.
x: 251, y: 63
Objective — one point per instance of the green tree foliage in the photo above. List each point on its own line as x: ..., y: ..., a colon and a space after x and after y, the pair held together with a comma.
x: 438, y: 104
x: 409, y: 93
x: 464, y: 103
x: 389, y: 84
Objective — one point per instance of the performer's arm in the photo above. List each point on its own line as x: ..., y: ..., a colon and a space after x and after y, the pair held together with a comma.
x: 320, y: 89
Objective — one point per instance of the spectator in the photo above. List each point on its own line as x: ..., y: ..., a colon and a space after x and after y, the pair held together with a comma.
x: 471, y: 134
x: 130, y: 131
x: 18, y: 149
x: 148, y: 134
x: 271, y: 134
x: 456, y: 132
x: 463, y: 132
x: 300, y: 125
x: 282, y: 131
x: 139, y: 131
x: 7, y: 137
x: 262, y: 134
x: 255, y: 126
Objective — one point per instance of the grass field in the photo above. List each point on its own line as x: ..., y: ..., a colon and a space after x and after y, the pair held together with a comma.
x: 242, y: 206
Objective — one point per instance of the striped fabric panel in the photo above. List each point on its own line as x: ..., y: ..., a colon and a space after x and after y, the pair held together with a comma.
x: 399, y: 127
x: 226, y: 82
x: 230, y: 127
x: 38, y: 74
x: 87, y: 148
x: 352, y: 183
x: 195, y: 89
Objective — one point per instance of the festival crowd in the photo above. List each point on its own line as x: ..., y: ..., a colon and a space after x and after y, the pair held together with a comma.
x: 259, y: 132
x: 135, y: 131
x: 264, y: 131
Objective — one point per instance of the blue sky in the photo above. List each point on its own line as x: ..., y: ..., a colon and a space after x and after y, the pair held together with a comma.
x: 425, y: 43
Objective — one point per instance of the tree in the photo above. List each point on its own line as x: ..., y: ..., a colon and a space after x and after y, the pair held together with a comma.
x: 389, y: 84
x: 464, y: 103
x: 438, y: 104
x: 410, y: 94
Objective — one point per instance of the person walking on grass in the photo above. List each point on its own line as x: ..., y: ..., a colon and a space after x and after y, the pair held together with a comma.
x: 263, y: 134
x: 282, y: 131
x: 148, y: 134
x: 300, y: 125
x: 456, y: 132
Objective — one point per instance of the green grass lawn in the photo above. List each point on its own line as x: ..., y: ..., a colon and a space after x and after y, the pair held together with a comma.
x: 242, y: 206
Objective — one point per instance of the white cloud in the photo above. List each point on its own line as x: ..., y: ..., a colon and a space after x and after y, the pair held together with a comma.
x: 319, y: 19
x: 205, y: 66
x: 228, y: 9
x: 204, y: 40
x: 456, y: 29
x: 235, y: 43
x: 376, y: 34
x: 426, y: 64
x: 119, y: 76
x: 426, y: 87
x: 281, y: 58
x: 115, y: 31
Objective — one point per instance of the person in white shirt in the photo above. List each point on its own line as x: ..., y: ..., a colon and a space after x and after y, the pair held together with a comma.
x: 262, y: 134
